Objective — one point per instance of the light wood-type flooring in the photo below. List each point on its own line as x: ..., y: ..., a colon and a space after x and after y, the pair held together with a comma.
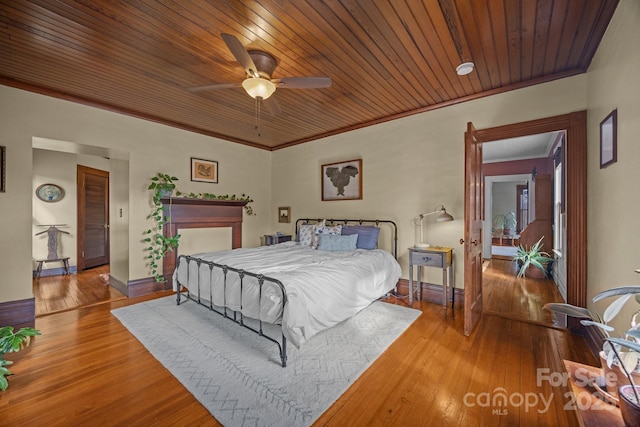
x: 87, y: 369
x: 66, y: 292
x: 506, y: 295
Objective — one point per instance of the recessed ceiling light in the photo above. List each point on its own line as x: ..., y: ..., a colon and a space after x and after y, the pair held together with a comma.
x: 464, y: 68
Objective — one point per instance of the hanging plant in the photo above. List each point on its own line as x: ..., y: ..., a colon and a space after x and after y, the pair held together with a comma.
x: 162, y: 185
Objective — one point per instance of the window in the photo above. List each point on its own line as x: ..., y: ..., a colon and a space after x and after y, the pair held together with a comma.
x: 558, y: 201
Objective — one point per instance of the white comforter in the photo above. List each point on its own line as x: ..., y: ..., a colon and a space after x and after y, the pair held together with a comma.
x: 323, y: 288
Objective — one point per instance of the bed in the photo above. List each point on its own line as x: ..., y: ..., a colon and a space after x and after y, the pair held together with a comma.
x: 304, y: 286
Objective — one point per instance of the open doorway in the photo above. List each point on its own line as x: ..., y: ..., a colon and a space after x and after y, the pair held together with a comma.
x: 574, y: 223
x: 98, y: 207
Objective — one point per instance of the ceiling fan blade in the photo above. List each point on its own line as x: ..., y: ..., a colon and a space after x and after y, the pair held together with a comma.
x: 241, y: 54
x: 272, y: 105
x: 302, y: 82
x: 214, y: 87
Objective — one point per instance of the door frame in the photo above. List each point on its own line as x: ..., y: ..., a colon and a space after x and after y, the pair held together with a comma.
x: 575, y: 126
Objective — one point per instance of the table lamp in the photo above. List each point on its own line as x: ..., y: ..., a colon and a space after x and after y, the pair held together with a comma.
x: 442, y: 217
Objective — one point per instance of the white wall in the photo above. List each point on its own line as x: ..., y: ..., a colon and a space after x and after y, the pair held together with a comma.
x: 151, y: 148
x: 50, y: 167
x: 411, y: 165
x: 489, y: 209
x: 504, y: 196
x: 613, y: 193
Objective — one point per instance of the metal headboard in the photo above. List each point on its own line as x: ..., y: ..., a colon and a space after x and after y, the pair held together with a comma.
x: 375, y: 222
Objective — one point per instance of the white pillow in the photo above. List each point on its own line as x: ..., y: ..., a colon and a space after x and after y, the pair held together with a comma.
x: 306, y: 234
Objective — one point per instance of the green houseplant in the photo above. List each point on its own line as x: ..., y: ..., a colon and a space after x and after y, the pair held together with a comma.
x: 10, y: 342
x: 621, y: 351
x: 162, y: 185
x: 510, y: 223
x: 533, y: 257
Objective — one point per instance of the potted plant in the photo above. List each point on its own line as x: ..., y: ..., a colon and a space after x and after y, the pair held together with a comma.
x: 620, y: 354
x: 162, y: 185
x: 11, y: 342
x: 510, y: 223
x: 531, y: 259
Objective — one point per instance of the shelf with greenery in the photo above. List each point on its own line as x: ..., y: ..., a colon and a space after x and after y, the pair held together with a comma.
x: 157, y: 245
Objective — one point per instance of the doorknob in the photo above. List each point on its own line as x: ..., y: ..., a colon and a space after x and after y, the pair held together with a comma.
x: 462, y: 241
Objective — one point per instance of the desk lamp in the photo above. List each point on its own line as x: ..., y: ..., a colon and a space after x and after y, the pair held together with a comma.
x: 442, y: 217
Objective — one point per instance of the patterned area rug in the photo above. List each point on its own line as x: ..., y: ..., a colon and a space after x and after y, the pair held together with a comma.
x: 237, y: 375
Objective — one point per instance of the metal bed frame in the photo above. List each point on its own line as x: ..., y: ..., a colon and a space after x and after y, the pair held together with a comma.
x: 237, y: 316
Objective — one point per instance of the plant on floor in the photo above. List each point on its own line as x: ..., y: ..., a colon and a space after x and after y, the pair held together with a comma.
x: 533, y: 256
x: 161, y: 186
x: 621, y: 350
x: 10, y: 342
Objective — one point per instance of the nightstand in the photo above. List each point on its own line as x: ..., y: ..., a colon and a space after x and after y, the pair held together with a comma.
x: 434, y: 256
x: 272, y: 239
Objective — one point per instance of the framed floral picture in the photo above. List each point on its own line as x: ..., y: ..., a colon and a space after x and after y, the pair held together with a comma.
x: 204, y: 170
x: 342, y: 180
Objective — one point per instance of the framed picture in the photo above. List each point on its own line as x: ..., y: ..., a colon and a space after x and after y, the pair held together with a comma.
x: 50, y: 193
x: 204, y: 170
x: 342, y: 180
x: 609, y: 139
x: 3, y: 165
x: 284, y: 214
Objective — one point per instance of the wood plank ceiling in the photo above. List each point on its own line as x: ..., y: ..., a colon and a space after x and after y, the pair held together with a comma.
x: 387, y: 59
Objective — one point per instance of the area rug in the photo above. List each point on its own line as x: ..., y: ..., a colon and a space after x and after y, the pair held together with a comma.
x: 237, y: 375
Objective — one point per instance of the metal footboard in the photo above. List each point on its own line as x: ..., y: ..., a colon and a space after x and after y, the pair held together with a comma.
x: 227, y: 313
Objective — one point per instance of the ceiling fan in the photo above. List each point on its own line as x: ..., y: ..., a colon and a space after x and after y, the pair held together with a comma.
x: 259, y: 66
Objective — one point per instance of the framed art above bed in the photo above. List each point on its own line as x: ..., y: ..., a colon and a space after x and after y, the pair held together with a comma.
x: 342, y: 180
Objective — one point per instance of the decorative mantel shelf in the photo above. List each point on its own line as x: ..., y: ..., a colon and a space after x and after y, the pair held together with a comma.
x: 185, y: 212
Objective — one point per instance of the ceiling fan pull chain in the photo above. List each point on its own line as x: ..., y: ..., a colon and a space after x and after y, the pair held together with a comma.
x: 258, y: 114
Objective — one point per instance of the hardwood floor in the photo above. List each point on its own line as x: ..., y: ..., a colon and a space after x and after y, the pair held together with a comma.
x: 66, y: 292
x: 87, y: 369
x: 517, y: 298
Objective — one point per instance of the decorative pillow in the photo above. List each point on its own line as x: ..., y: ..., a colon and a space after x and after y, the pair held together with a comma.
x: 306, y: 234
x: 329, y: 229
x: 367, y: 235
x: 337, y: 242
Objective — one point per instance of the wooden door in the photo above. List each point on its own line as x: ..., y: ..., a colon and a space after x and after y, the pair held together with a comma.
x: 473, y: 219
x: 93, y: 217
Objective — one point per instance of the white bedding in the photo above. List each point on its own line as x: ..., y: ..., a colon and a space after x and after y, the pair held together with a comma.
x: 323, y: 288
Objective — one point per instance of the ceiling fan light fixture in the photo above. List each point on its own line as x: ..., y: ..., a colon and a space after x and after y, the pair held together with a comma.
x: 258, y: 87
x: 464, y: 68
